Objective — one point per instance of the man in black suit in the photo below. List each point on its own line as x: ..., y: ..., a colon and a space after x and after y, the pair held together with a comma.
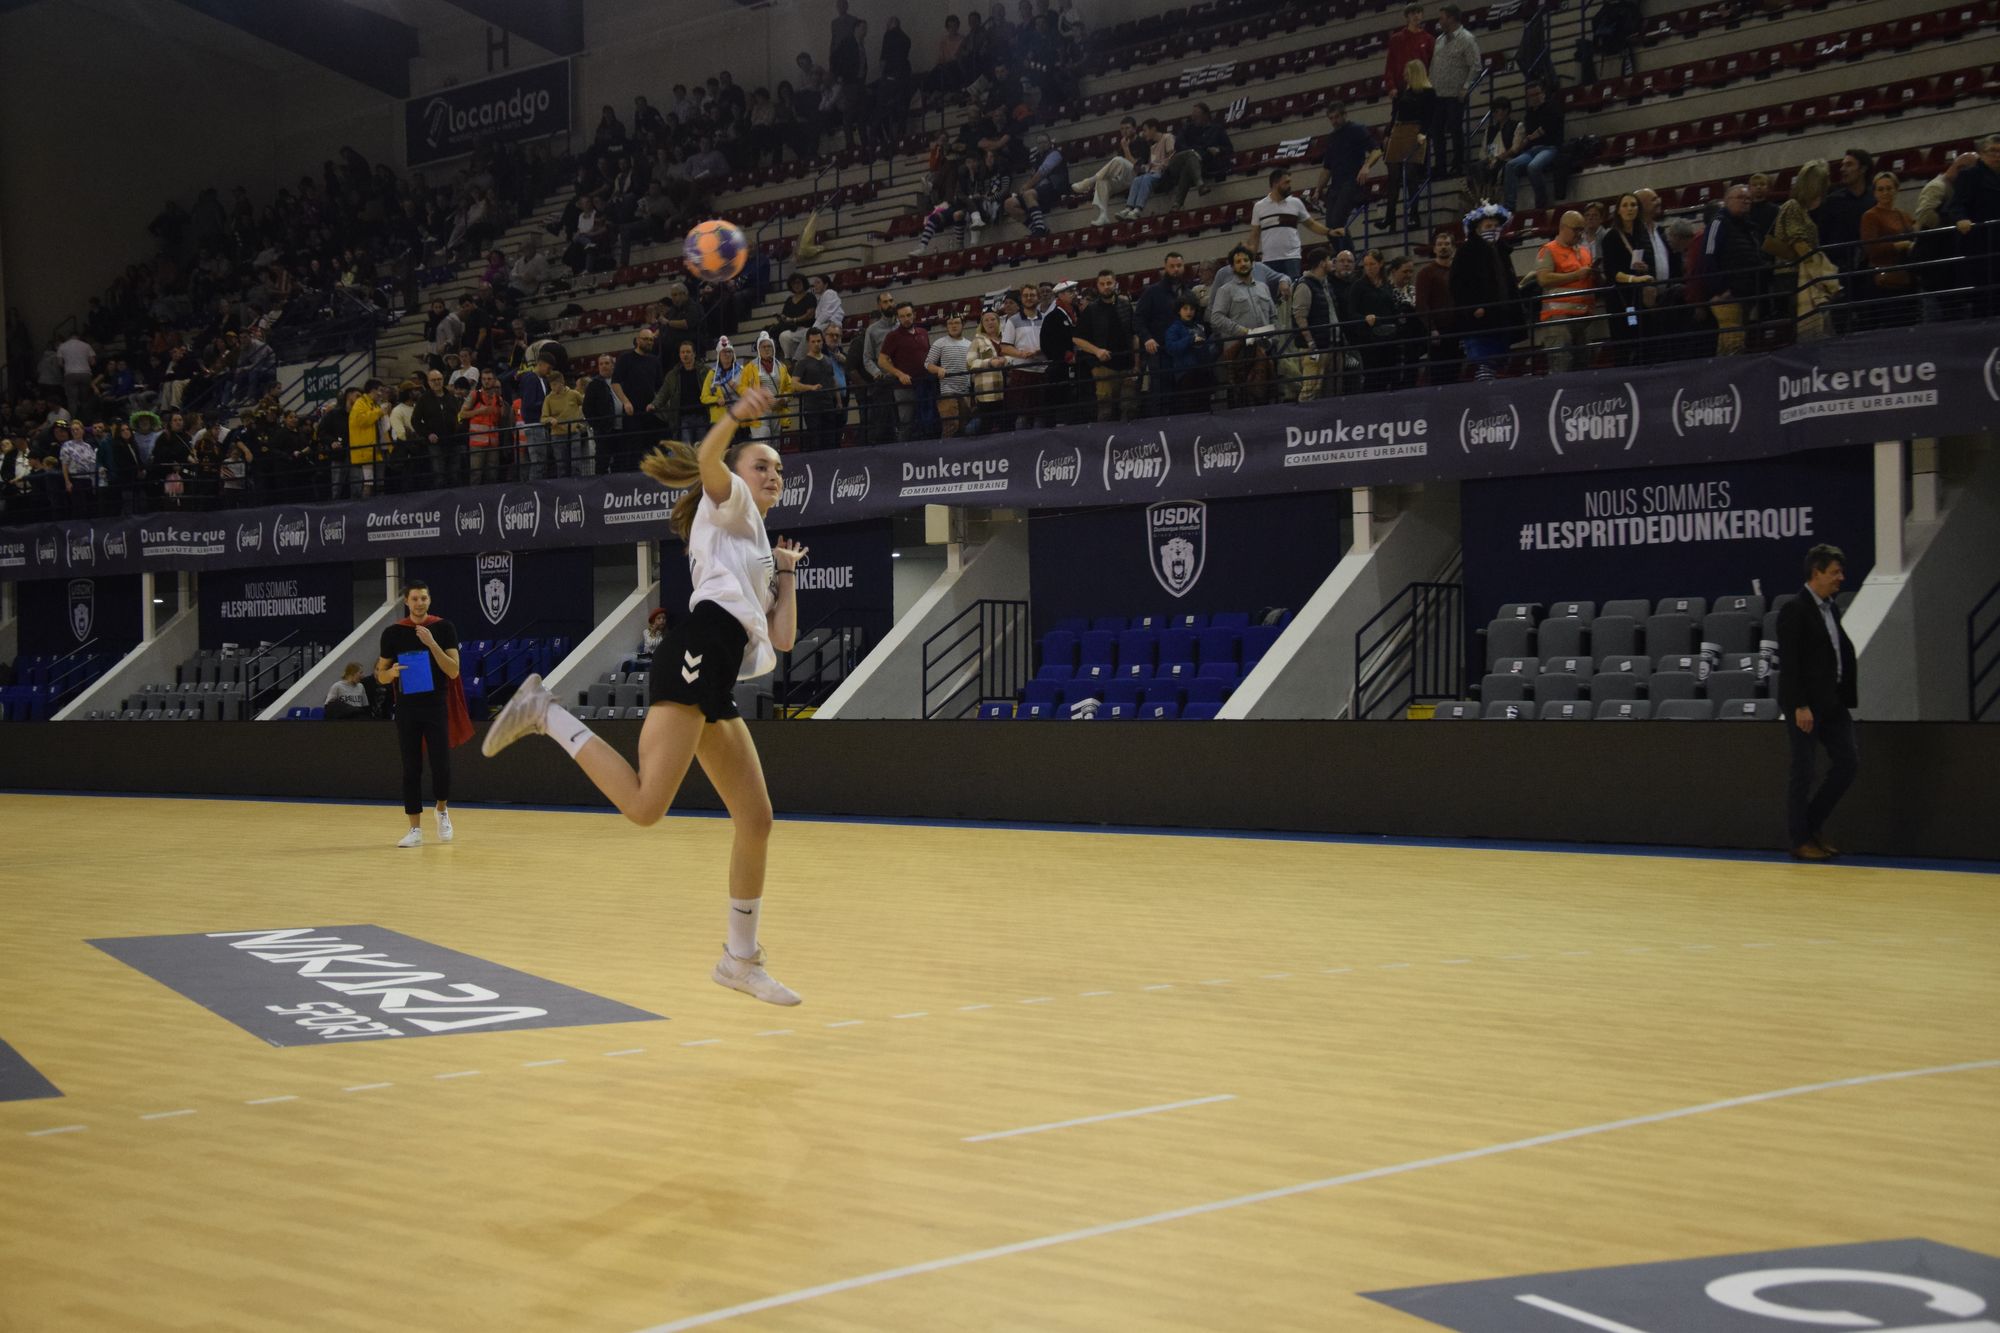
x: 1816, y: 693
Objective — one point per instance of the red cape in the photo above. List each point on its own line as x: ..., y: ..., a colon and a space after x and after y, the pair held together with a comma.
x: 457, y: 717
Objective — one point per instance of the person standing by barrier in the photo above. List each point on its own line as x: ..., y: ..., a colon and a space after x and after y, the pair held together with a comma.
x: 1817, y: 692
x: 1566, y: 271
x: 418, y: 659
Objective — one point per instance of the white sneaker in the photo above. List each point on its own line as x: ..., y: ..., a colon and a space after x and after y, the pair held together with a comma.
x: 444, y: 825
x: 526, y: 714
x: 1103, y: 219
x: 414, y: 838
x: 748, y: 975
x: 920, y: 249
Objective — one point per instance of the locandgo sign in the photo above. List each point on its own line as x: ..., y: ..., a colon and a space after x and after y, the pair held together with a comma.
x: 520, y: 104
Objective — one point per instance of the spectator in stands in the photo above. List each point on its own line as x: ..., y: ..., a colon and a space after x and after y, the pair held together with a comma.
x: 1566, y: 271
x: 1063, y: 390
x: 947, y: 361
x: 1154, y: 313
x: 1938, y: 249
x: 870, y: 389
x: 77, y: 458
x: 346, y: 698
x: 1413, y: 109
x: 486, y: 416
x: 1185, y: 359
x: 1314, y: 324
x: 655, y: 631
x: 1890, y: 236
x: 1027, y: 368
x: 1818, y: 688
x: 1047, y: 187
x: 78, y: 358
x: 605, y: 410
x: 795, y: 316
x: 1407, y: 43
x: 1107, y: 333
x: 1483, y: 290
x: 723, y: 384
x: 1625, y: 265
x: 433, y: 428
x: 1737, y: 276
x: 1412, y: 337
x: 680, y: 322
x: 1838, y: 218
x: 677, y: 403
x: 844, y: 36
x: 1537, y: 147
x: 1240, y: 313
x: 1434, y: 307
x: 1763, y: 213
x: 637, y: 373
x: 1454, y: 64
x: 1372, y: 315
x: 1275, y: 222
x: 1798, y: 240
x: 575, y: 454
x: 1117, y: 173
x: 1208, y: 138
x: 364, y: 416
x: 767, y: 372
x: 1976, y: 199
x: 1347, y: 153
x: 819, y: 393
x: 1592, y: 234
x: 1159, y: 152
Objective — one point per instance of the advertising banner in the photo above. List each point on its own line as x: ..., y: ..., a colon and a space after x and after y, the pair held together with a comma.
x: 299, y: 604
x: 520, y: 104
x: 1897, y: 384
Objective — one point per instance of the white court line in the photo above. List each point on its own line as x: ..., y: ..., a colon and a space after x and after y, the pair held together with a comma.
x: 367, y: 1087
x: 776, y: 1032
x: 1331, y: 971
x: 636, y: 1050
x: 1165, y: 985
x: 1274, y: 976
x: 1584, y: 1317
x: 165, y: 1115
x: 968, y: 1008
x: 1096, y: 1119
x: 59, y: 1129
x: 536, y: 1064
x: 1454, y: 962
x: 848, y: 1023
x: 458, y: 1073
x: 1039, y: 999
x: 705, y: 1041
x: 266, y: 1101
x: 804, y: 1294
x: 921, y: 1013
x: 1087, y: 994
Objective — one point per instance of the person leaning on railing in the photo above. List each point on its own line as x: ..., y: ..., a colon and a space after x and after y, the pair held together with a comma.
x: 1888, y: 236
x: 1795, y: 243
x: 1566, y: 271
x: 1736, y: 269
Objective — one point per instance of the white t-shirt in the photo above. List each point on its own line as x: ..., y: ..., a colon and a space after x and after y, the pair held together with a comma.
x: 76, y: 356
x: 1024, y: 334
x: 1280, y: 221
x: 729, y: 555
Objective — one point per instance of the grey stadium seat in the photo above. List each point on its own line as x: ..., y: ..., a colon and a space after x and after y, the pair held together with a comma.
x: 1528, y: 611
x: 1732, y: 631
x: 1572, y: 665
x: 1611, y: 635
x: 1566, y: 710
x: 1738, y: 661
x: 1665, y: 685
x: 1561, y: 636
x: 1636, y: 607
x: 1517, y: 666
x: 1505, y: 687
x: 597, y: 695
x: 1508, y: 637
x: 1510, y: 712
x: 1670, y: 632
x: 1678, y: 662
x: 1456, y: 710
x: 1694, y: 608
x: 1618, y: 684
x: 1635, y: 664
x: 1750, y: 604
x: 1560, y: 685
x: 1584, y: 611
x: 1726, y: 685
x: 1684, y: 710
x: 1624, y: 710
x: 1747, y: 710
x: 629, y: 696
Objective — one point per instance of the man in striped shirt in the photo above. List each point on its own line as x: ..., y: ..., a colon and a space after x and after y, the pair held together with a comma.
x: 947, y: 360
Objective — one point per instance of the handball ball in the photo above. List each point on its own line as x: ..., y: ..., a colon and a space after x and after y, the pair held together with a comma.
x: 716, y: 251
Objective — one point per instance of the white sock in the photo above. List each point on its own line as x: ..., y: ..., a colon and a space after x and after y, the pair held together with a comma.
x: 743, y: 915
x: 566, y: 731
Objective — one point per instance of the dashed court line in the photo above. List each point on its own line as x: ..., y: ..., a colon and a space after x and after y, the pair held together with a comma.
x: 459, y: 1073
x: 57, y: 1129
x: 636, y: 1050
x: 541, y: 1064
x: 848, y: 1023
x: 272, y: 1101
x: 921, y: 1013
x: 367, y: 1087
x: 167, y: 1115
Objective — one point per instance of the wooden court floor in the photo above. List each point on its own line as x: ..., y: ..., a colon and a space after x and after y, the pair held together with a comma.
x: 1384, y: 1066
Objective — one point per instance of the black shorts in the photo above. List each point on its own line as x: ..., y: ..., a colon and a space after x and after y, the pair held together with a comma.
x: 697, y: 663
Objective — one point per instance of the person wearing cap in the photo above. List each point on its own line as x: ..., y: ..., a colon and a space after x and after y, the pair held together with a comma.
x: 1062, y: 348
x: 723, y: 384
x: 768, y: 372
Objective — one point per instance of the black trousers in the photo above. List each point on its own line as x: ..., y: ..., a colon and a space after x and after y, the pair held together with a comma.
x: 1448, y: 137
x: 1806, y: 810
x: 418, y: 729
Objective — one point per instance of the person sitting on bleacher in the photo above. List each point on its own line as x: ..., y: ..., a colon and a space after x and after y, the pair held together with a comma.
x: 347, y: 697
x: 656, y: 629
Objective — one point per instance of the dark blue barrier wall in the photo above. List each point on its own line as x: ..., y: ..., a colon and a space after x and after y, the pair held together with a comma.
x: 58, y: 615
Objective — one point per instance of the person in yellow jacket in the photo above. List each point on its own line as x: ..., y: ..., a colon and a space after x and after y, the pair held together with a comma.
x: 723, y: 384
x: 772, y: 375
x: 362, y: 432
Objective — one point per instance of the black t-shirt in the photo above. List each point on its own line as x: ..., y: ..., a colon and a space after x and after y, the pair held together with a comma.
x: 399, y: 639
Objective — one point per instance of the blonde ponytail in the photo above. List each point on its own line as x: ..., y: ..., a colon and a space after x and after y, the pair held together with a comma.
x: 676, y: 466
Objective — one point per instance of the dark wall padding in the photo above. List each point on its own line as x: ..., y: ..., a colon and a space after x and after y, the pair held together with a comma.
x: 1925, y: 788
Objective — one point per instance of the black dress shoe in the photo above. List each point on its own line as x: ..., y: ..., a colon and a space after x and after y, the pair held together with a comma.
x: 1826, y: 846
x: 1811, y: 851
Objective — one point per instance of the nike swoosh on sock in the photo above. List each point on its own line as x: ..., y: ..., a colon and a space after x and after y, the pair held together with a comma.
x: 746, y: 911
x: 579, y: 735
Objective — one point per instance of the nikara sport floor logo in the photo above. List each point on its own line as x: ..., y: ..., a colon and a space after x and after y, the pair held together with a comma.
x: 1894, y: 1286
x: 319, y: 985
x: 495, y: 573
x: 1177, y: 543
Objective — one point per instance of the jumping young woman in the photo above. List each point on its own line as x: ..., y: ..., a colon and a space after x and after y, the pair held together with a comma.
x: 744, y: 611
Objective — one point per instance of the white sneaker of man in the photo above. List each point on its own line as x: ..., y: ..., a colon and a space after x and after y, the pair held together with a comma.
x: 444, y: 825
x: 414, y: 838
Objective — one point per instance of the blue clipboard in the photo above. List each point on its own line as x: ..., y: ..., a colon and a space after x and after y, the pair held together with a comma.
x: 416, y: 677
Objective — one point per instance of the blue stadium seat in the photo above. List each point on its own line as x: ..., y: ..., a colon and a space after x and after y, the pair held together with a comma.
x: 1041, y: 712
x: 1228, y: 671
x: 1137, y: 647
x: 1165, y: 710
x: 1096, y: 673
x: 1209, y: 690
x: 1188, y: 620
x: 1257, y: 640
x: 1070, y: 625
x: 1218, y: 645
x: 1123, y: 691
x: 1045, y: 692
x: 1121, y: 712
x: 1200, y: 712
x: 1108, y: 624
x: 1055, y: 671
x: 1154, y: 623
x: 1236, y: 620
x: 1099, y: 647
x: 1059, y: 646
x: 994, y: 710
x: 1160, y: 691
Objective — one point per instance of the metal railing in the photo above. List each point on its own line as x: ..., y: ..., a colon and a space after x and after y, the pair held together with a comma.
x: 806, y: 677
x: 70, y: 673
x: 981, y: 654
x: 262, y: 672
x: 1410, y: 651
x: 1982, y: 656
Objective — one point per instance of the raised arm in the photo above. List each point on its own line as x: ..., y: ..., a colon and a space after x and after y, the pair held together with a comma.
x: 714, y: 446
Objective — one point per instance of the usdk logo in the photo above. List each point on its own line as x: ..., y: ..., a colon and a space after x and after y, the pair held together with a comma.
x: 1137, y: 461
x: 114, y: 545
x: 469, y: 520
x: 1716, y: 411
x: 82, y: 607
x: 520, y: 518
x: 1490, y: 430
x: 290, y: 533
x: 569, y: 512
x: 1608, y: 416
x: 249, y: 537
x: 798, y: 488
x: 333, y: 531
x: 495, y: 572
x: 81, y: 548
x: 852, y: 487
x: 1219, y: 455
x: 1177, y: 543
x: 1058, y: 469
